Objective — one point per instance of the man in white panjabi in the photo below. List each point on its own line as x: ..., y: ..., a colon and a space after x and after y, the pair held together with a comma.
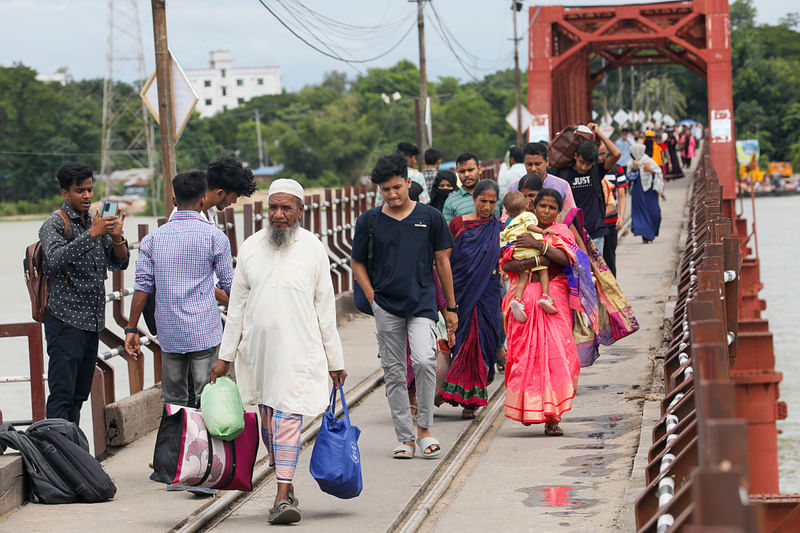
x: 281, y: 333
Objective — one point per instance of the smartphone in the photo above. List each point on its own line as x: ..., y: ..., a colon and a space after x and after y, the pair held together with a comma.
x: 109, y: 209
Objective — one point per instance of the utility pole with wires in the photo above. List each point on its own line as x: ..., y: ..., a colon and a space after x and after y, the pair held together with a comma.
x: 424, y: 113
x: 515, y: 8
x: 166, y: 121
x: 124, y: 44
x: 258, y: 139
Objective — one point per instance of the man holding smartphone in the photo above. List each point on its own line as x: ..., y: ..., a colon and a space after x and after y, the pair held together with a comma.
x: 76, y: 255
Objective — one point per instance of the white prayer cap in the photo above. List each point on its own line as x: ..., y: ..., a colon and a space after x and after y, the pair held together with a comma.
x: 287, y: 186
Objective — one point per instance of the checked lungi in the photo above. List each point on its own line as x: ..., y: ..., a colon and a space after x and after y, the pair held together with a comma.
x: 280, y: 432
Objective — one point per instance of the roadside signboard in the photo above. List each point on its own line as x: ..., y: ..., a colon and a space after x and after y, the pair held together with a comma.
x: 525, y: 117
x: 747, y: 150
x: 621, y: 117
x: 539, y: 128
x: 184, y: 97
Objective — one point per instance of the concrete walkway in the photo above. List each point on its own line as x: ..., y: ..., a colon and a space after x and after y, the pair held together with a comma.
x: 517, y: 479
x: 526, y: 481
x: 142, y: 505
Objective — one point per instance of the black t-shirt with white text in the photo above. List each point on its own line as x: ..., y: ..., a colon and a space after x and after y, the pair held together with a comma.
x: 587, y: 199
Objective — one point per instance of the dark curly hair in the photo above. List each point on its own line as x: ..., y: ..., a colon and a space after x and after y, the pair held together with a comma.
x: 388, y: 167
x: 73, y: 172
x: 228, y: 174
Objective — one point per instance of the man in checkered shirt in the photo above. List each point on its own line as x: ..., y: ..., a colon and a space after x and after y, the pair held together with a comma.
x: 179, y: 261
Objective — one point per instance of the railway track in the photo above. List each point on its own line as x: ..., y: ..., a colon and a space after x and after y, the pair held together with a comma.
x: 212, y: 516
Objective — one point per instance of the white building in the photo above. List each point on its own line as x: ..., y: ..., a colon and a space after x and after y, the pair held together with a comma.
x: 56, y: 77
x: 222, y: 86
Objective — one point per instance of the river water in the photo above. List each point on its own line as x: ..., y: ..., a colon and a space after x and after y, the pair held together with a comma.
x: 15, y: 397
x: 779, y: 254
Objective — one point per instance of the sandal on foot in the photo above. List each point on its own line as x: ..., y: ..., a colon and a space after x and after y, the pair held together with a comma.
x: 403, y: 451
x: 548, y: 305
x: 438, y: 400
x: 429, y: 442
x: 552, y: 429
x: 294, y: 501
x: 518, y: 310
x: 284, y: 512
x: 468, y: 413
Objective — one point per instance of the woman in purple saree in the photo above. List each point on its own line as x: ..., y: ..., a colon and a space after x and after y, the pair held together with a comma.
x: 476, y: 281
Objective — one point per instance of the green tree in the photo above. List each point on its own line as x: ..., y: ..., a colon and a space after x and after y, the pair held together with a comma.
x: 743, y: 14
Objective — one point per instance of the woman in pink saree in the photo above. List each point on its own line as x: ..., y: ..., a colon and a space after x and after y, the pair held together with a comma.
x: 542, y: 363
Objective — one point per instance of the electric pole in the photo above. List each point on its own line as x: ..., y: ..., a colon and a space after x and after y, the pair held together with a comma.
x: 124, y: 60
x: 258, y: 140
x: 166, y: 118
x: 423, y: 81
x: 515, y: 7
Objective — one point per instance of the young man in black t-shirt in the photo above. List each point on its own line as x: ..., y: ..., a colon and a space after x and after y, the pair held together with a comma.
x: 408, y: 238
x: 585, y: 178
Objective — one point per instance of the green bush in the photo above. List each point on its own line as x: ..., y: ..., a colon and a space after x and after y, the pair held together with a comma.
x: 25, y: 207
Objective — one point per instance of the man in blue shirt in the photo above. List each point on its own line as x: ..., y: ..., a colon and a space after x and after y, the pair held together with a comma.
x: 179, y: 261
x: 516, y: 158
x: 395, y: 247
x: 468, y: 169
x: 624, y: 145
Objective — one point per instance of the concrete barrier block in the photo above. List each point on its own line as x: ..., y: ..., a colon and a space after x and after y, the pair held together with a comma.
x: 345, y: 308
x: 12, y: 483
x: 133, y: 417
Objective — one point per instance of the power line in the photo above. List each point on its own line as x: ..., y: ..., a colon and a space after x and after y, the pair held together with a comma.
x: 448, y: 38
x: 331, y: 54
x: 447, y: 42
x: 357, y: 31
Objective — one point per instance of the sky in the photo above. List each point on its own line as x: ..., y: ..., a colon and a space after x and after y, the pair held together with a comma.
x: 49, y: 34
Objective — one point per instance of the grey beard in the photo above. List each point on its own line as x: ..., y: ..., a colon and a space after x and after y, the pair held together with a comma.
x: 280, y: 237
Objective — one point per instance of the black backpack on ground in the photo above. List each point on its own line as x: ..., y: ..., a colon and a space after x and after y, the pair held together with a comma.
x: 60, y: 469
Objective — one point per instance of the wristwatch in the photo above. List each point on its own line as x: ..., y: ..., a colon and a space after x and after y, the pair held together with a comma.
x: 453, y: 309
x: 131, y: 330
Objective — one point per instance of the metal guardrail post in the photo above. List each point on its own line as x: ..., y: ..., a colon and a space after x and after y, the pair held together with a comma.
x: 33, y: 331
x: 248, y: 220
x: 98, y: 402
x: 258, y: 217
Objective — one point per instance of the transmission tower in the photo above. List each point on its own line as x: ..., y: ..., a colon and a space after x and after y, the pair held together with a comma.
x: 124, y: 145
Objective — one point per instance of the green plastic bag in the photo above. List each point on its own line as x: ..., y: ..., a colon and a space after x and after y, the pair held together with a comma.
x: 222, y: 409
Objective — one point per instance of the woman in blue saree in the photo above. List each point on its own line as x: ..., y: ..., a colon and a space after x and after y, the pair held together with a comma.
x: 476, y: 281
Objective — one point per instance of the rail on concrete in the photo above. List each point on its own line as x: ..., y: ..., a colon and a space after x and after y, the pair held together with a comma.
x: 713, y: 464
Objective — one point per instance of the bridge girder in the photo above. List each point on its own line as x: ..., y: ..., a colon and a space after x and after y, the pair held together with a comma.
x: 563, y: 42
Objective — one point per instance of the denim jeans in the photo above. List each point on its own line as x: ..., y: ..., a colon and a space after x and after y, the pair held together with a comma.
x: 175, y: 369
x: 599, y: 243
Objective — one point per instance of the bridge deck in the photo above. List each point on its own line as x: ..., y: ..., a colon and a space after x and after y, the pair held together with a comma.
x: 516, y: 479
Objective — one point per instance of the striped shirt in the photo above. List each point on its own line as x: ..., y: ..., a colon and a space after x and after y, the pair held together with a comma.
x: 179, y: 260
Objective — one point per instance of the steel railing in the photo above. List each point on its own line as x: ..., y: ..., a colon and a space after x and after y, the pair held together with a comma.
x: 708, y: 456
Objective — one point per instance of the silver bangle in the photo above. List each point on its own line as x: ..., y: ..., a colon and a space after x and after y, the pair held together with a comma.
x: 546, y: 246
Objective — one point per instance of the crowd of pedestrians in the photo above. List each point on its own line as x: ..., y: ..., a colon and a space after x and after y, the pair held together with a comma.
x: 534, y: 304
x: 466, y: 279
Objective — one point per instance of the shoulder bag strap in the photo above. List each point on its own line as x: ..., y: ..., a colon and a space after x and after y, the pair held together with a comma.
x: 67, y: 224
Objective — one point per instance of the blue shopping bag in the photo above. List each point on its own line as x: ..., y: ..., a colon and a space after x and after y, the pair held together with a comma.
x: 335, y: 460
